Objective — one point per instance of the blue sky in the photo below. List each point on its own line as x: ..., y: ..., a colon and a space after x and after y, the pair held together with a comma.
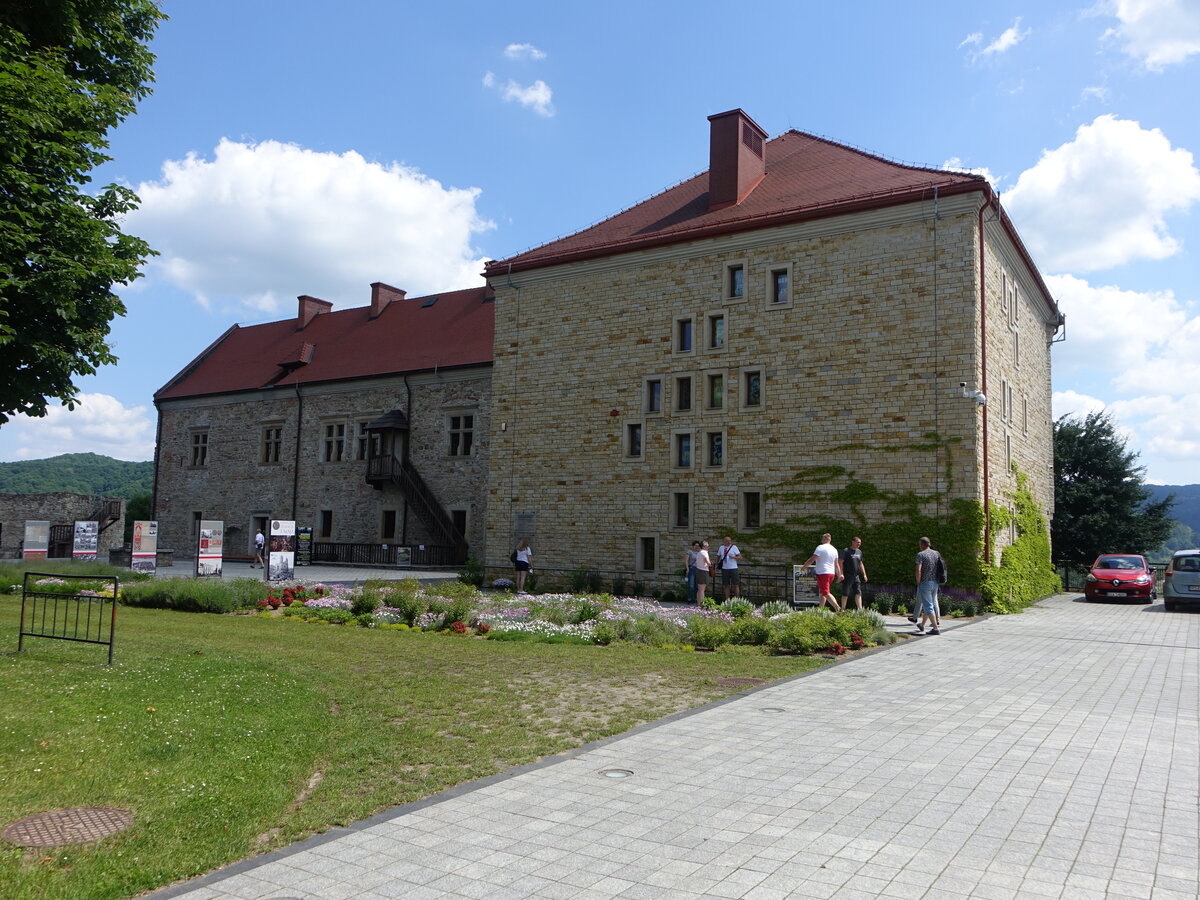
x: 314, y: 147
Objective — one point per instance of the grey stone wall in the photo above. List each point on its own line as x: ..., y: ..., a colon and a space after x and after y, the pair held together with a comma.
x: 57, y: 509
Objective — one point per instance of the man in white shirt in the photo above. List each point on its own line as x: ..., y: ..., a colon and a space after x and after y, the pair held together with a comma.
x: 727, y: 556
x: 828, y: 565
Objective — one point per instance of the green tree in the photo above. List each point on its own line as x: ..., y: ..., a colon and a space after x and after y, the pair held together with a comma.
x: 1101, y: 504
x: 70, y: 70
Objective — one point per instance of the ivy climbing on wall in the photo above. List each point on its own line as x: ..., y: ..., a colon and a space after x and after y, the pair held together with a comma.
x: 1025, y: 573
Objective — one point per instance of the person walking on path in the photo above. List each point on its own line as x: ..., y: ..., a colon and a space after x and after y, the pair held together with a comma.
x: 523, y: 563
x: 930, y: 572
x: 853, y: 574
x: 827, y: 564
x: 690, y: 563
x: 704, y: 570
x: 259, y: 543
x: 727, y: 556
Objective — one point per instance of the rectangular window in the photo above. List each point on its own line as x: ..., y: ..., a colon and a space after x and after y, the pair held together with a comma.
x: 335, y: 442
x: 716, y: 331
x: 633, y: 439
x: 681, y: 509
x: 751, y: 509
x: 462, y: 435
x: 752, y: 387
x: 683, y: 336
x: 716, y: 391
x: 683, y: 450
x: 1003, y: 400
x: 387, y: 525
x: 326, y: 527
x: 647, y: 553
x: 683, y: 393
x: 714, y: 443
x: 199, y: 448
x: 362, y: 440
x: 735, y: 281
x: 652, y: 395
x: 780, y: 293
x: 1024, y: 415
x: 272, y: 443
x: 1017, y: 349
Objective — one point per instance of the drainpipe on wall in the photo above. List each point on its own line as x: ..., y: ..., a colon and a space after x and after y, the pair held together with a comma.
x: 296, y: 461
x: 987, y: 515
x: 408, y: 413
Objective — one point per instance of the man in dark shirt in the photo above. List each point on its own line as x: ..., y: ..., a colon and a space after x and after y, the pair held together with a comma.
x: 854, y: 573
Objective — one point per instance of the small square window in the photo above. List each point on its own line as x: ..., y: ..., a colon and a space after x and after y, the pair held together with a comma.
x: 715, y: 448
x: 683, y: 393
x: 715, y: 396
x: 751, y: 509
x: 683, y: 450
x: 652, y: 395
x: 633, y: 439
x: 752, y: 387
x: 683, y: 336
x: 716, y: 331
x: 681, y: 509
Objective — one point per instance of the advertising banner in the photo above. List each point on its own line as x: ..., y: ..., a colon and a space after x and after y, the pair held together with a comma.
x: 143, y: 555
x: 87, y: 538
x: 211, y: 548
x: 804, y: 587
x: 281, y: 560
x: 37, y: 540
x: 304, y: 536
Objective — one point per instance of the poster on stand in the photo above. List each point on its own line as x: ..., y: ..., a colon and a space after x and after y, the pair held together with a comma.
x: 143, y: 553
x: 211, y: 548
x: 87, y: 538
x: 304, y: 536
x: 281, y: 562
x: 804, y: 587
x: 37, y: 540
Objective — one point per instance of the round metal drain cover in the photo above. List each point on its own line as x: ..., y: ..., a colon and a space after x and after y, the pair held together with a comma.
x: 616, y: 773
x: 60, y: 827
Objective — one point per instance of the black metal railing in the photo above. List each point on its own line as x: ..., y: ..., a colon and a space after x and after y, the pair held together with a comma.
x: 427, y: 556
x: 51, y: 609
x: 423, y: 501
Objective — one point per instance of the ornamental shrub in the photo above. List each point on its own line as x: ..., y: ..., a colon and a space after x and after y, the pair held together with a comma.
x: 738, y: 607
x: 709, y: 634
x: 472, y: 572
x: 775, y: 608
x: 753, y: 631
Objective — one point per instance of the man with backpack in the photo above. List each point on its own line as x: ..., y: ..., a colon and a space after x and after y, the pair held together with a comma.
x: 930, y: 573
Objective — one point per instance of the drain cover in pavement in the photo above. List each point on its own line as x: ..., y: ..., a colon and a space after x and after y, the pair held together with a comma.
x: 60, y: 827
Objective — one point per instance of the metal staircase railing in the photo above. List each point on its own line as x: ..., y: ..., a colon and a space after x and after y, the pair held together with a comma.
x: 426, y: 505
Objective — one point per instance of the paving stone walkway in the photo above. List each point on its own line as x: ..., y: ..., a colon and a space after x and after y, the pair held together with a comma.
x: 1051, y: 754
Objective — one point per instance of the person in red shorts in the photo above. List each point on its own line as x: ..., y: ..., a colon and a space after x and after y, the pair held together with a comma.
x: 828, y: 565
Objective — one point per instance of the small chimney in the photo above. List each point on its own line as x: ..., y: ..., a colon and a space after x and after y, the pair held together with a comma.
x: 310, y: 308
x: 381, y: 295
x: 736, y: 158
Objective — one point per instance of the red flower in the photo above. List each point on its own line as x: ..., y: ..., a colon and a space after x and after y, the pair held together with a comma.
x: 837, y: 648
x: 262, y: 604
x: 856, y: 641
x: 459, y: 627
x: 483, y: 628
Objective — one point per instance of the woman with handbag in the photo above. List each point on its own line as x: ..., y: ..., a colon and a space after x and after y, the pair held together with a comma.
x: 704, y: 571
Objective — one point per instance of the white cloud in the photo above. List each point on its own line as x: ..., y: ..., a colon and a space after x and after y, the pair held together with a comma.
x: 1101, y: 199
x: 261, y: 223
x: 536, y: 96
x: 523, y: 51
x: 1072, y: 403
x: 1008, y: 39
x: 1096, y: 92
x: 1157, y: 33
x: 975, y: 37
x: 98, y: 424
x: 954, y: 164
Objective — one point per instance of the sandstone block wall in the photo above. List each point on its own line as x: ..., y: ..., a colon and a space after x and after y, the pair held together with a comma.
x: 58, y: 509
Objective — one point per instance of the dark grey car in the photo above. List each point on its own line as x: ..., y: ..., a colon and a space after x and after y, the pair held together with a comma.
x: 1181, y: 583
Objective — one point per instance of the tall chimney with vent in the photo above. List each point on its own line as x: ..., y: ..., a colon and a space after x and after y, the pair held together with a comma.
x: 310, y: 308
x: 736, y: 158
x: 381, y: 295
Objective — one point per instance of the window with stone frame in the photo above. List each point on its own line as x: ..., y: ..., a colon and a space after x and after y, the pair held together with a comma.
x: 714, y: 391
x: 683, y: 393
x: 716, y: 332
x: 681, y: 450
x: 684, y: 341
x: 779, y: 286
x: 335, y: 442
x: 752, y: 510
x: 681, y: 509
x: 272, y: 445
x: 714, y: 449
x: 461, y: 427
x: 633, y: 440
x: 647, y: 555
x: 752, y: 382
x: 199, y: 449
x: 652, y: 395
x: 735, y: 280
x: 363, y: 440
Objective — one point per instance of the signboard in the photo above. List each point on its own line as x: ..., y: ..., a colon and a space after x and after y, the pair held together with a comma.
x: 87, y: 538
x: 304, y: 542
x: 143, y: 553
x: 404, y: 556
x: 210, y: 549
x: 37, y: 540
x: 804, y: 587
x: 281, y: 547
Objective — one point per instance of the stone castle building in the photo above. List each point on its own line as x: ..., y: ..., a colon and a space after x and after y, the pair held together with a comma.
x: 799, y: 339
x: 363, y: 423
x: 62, y: 510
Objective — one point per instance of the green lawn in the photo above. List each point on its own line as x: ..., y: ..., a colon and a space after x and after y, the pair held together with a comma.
x: 229, y: 735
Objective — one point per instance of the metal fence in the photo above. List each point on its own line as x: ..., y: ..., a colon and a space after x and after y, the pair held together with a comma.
x: 49, y: 609
x: 427, y: 556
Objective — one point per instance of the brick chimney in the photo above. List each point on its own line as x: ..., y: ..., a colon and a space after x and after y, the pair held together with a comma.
x: 310, y: 308
x: 736, y: 158
x: 381, y: 295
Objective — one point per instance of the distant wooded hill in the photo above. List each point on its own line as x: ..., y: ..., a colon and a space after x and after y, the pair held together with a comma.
x: 77, y: 473
x: 1187, y: 502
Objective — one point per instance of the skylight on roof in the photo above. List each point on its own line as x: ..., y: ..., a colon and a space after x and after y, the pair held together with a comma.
x: 429, y: 302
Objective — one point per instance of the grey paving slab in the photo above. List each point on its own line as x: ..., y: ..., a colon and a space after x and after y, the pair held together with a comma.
x: 1051, y: 754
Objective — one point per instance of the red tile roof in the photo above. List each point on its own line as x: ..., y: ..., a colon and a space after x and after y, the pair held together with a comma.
x: 806, y: 177
x: 411, y: 335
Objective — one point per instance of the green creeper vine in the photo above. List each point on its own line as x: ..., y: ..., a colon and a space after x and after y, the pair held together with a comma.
x: 1025, y: 573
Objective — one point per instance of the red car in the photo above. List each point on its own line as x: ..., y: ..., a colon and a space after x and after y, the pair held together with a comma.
x: 1121, y: 576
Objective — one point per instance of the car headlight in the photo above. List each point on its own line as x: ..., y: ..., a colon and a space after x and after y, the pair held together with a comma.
x: 1142, y: 579
x: 1092, y: 577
